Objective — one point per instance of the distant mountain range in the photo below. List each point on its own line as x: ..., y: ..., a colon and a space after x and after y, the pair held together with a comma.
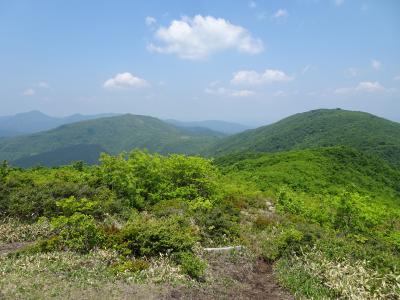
x: 84, y: 140
x: 36, y: 121
x: 113, y: 134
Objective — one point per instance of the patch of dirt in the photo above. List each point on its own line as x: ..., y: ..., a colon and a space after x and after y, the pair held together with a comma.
x: 12, y: 247
x: 233, y: 278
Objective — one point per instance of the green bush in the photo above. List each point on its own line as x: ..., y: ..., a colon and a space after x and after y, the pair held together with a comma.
x: 281, y: 241
x: 132, y: 265
x: 145, y: 236
x: 78, y: 232
x: 192, y: 265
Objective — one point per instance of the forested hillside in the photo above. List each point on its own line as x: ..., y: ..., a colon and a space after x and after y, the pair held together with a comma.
x: 114, y: 135
x: 320, y: 128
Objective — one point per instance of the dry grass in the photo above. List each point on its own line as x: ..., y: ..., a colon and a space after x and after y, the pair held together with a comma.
x: 349, y: 280
x: 63, y: 275
x: 12, y: 231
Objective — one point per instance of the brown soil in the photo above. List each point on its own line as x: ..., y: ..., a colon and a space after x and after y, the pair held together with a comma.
x: 234, y: 279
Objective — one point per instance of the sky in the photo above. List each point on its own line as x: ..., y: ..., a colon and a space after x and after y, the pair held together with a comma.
x: 252, y: 62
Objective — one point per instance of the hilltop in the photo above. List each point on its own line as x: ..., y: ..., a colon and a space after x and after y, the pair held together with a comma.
x: 319, y: 128
x: 113, y: 134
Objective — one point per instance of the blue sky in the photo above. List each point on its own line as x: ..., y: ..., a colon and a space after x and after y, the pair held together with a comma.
x: 247, y: 61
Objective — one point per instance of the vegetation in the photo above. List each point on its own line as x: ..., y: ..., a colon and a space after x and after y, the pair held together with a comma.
x: 320, y: 128
x: 113, y: 134
x: 326, y: 219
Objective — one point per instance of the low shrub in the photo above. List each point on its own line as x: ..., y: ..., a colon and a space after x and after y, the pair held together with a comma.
x: 78, y: 232
x: 132, y: 265
x: 281, y: 241
x: 192, y: 265
x: 146, y: 236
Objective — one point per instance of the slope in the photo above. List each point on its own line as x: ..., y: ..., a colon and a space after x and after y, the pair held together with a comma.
x: 322, y: 171
x: 114, y: 135
x: 319, y: 128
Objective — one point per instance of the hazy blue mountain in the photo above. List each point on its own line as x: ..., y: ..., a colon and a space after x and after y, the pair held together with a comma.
x: 36, y: 121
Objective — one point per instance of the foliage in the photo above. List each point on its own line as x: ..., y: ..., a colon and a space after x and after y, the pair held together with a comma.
x: 78, y: 232
x: 144, y: 236
x: 132, y: 265
x: 192, y: 265
x: 113, y: 134
x: 319, y: 128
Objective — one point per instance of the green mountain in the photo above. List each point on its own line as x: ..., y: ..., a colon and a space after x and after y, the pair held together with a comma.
x: 319, y: 128
x: 320, y: 171
x: 114, y: 135
x: 62, y: 156
x: 215, y: 125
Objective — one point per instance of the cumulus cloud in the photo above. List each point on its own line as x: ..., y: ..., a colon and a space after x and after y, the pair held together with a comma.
x: 221, y: 91
x: 280, y: 13
x: 150, y: 21
x: 199, y: 37
x: 362, y: 87
x: 255, y: 78
x: 29, y: 92
x: 125, y: 81
x: 376, y: 64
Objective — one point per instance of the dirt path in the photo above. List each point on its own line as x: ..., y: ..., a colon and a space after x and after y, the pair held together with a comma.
x: 234, y: 278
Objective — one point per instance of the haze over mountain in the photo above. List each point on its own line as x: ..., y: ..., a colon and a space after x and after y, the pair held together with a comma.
x: 220, y: 126
x: 319, y: 128
x: 36, y: 121
x: 113, y: 134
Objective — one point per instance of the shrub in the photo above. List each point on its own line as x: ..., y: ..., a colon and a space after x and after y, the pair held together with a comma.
x: 280, y: 242
x: 146, y: 236
x: 192, y: 265
x: 78, y: 232
x: 132, y: 265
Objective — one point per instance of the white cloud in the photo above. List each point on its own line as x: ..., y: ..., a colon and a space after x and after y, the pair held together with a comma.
x: 370, y: 87
x: 242, y: 93
x: 43, y: 85
x: 150, y: 21
x: 124, y: 81
x: 352, y: 72
x: 252, y: 4
x: 255, y: 78
x: 199, y: 37
x: 397, y: 77
x: 339, y: 2
x: 29, y: 92
x: 280, y: 13
x: 376, y: 64
x: 362, y: 87
x: 221, y: 91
